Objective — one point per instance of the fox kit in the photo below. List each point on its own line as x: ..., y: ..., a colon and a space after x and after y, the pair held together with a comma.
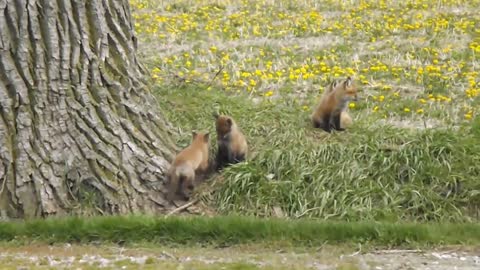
x: 232, y: 145
x: 345, y: 118
x: 331, y: 110
x: 189, y: 162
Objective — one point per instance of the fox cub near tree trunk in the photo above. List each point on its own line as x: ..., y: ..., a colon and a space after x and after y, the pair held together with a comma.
x: 331, y: 111
x: 232, y: 145
x: 190, y: 162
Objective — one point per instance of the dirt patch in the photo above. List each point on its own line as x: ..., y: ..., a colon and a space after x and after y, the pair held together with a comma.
x: 438, y: 260
x: 114, y: 257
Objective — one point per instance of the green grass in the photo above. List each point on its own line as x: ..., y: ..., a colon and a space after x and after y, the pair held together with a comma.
x: 374, y: 171
x: 231, y: 230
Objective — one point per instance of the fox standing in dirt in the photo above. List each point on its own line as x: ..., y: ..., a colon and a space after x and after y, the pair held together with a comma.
x: 331, y: 110
x: 232, y: 145
x: 190, y: 162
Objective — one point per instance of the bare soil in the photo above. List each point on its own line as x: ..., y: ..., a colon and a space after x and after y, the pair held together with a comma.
x: 240, y: 257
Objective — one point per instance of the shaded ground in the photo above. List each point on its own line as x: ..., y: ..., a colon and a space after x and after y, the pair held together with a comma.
x: 240, y: 257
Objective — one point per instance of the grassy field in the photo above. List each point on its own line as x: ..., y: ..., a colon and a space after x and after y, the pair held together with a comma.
x: 416, y: 60
x: 412, y: 153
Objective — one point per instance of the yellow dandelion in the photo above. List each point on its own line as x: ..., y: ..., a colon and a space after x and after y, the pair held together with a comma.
x: 351, y: 105
x: 406, y: 110
x: 420, y: 111
x: 246, y: 74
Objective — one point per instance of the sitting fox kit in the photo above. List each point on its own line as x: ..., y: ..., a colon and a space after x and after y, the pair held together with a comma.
x: 331, y: 112
x: 232, y: 145
x: 190, y: 162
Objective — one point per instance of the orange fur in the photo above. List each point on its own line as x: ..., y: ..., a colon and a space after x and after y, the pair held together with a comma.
x: 232, y: 145
x: 331, y: 110
x: 345, y: 118
x: 186, y: 165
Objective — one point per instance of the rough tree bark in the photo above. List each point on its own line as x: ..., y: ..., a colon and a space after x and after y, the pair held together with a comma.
x: 79, y: 130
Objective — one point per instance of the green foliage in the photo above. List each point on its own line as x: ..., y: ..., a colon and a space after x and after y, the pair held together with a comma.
x: 373, y: 171
x: 228, y: 230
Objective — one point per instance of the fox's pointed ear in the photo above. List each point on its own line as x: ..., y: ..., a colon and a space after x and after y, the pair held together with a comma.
x: 194, y: 134
x: 348, y: 81
x: 207, y: 136
x: 229, y: 122
x: 334, y: 84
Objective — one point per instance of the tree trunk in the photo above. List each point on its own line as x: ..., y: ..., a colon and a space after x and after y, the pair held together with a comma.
x: 79, y: 130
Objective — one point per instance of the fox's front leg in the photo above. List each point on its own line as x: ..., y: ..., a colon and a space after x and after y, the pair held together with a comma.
x: 335, y: 122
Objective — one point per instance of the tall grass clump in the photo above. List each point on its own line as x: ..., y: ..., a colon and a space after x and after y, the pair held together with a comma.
x: 386, y: 175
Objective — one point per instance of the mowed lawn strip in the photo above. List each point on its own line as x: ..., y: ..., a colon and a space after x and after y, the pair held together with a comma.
x: 231, y: 230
